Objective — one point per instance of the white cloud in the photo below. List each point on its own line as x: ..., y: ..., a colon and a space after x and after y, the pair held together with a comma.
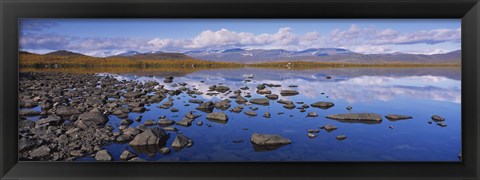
x: 359, y: 39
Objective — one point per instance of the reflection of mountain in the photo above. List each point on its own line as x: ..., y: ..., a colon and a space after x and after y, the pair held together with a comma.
x: 320, y: 55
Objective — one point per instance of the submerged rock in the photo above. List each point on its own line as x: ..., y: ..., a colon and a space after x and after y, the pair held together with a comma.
x: 393, y: 117
x: 269, y: 139
x: 266, y: 115
x: 352, y: 117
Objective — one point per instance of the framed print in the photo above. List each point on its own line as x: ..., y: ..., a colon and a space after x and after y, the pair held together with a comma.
x: 224, y: 89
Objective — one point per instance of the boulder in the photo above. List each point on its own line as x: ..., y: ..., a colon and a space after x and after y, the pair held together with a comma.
x: 40, y: 152
x: 266, y: 115
x: 330, y: 128
x: 272, y: 96
x: 103, y: 155
x: 91, y: 120
x: 130, y: 95
x: 250, y: 113
x: 166, y: 122
x: 206, y: 107
x: 312, y: 114
x: 281, y: 101
x: 185, y: 122
x: 148, y: 137
x: 218, y: 116
x: 341, y: 137
x: 126, y: 155
x: 66, y: 111
x: 182, y: 141
x: 240, y: 99
x: 268, y: 139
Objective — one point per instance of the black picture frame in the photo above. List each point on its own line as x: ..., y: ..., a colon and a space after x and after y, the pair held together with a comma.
x: 467, y: 10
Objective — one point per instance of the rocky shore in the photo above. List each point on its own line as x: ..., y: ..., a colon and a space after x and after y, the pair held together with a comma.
x: 72, y: 113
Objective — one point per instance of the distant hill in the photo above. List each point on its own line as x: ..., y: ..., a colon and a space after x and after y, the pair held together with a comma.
x: 64, y: 53
x: 339, y: 55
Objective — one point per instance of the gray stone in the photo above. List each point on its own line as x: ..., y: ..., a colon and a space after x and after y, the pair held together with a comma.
x: 166, y: 122
x: 268, y: 139
x: 40, y: 152
x: 260, y: 101
x: 28, y: 112
x: 148, y: 137
x: 218, y: 116
x: 322, y: 105
x: 126, y: 155
x: 288, y: 92
x: 182, y: 141
x: 394, y: 117
x: 438, y: 118
x: 341, y: 137
x: 250, y: 113
x: 352, y: 117
x: 312, y: 114
x: 91, y: 120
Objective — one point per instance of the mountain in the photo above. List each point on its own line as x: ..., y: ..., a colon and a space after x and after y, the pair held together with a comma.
x: 64, y: 53
x: 239, y: 55
x: 128, y: 53
x: 157, y: 55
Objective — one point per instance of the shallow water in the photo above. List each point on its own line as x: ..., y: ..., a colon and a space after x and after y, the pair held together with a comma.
x: 417, y: 92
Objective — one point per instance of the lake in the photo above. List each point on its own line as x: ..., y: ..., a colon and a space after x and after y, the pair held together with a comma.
x: 416, y: 92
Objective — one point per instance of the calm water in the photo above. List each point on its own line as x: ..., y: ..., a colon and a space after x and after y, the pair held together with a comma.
x: 418, y: 92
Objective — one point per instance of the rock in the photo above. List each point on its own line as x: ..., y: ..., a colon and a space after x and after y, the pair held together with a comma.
x: 330, y: 128
x: 349, y: 108
x: 185, y: 122
x: 281, y: 101
x: 25, y: 144
x: 429, y: 122
x: 394, y: 117
x: 263, y: 91
x: 166, y: 122
x: 28, y: 112
x: 148, y: 137
x: 240, y: 99
x: 328, y: 77
x: 313, y: 131
x: 206, y: 107
x: 288, y: 92
x: 149, y: 123
x: 260, y: 101
x: 390, y: 127
x: 137, y: 159
x: 292, y: 86
x: 441, y: 124
x: 170, y: 128
x: 237, y: 109
x: 312, y: 114
x: 103, y: 155
x: 311, y: 135
x: 51, y: 120
x: 174, y: 109
x: 353, y: 117
x: 126, y: 122
x: 182, y: 141
x: 131, y: 131
x: 196, y: 101
x: 268, y: 139
x: 261, y: 87
x: 289, y: 106
x: 91, y: 120
x: 266, y: 115
x: 190, y: 115
x: 40, y: 152
x: 164, y: 150
x: 322, y: 105
x: 66, y: 111
x: 250, y: 113
x: 218, y: 116
x: 199, y: 123
x: 341, y: 137
x: 222, y: 89
x: 139, y: 109
x: 223, y: 104
x: 126, y: 155
x: 130, y: 95
x: 272, y: 96
x: 438, y: 118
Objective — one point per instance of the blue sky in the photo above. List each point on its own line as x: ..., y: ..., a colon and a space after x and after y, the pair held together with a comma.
x: 104, y: 37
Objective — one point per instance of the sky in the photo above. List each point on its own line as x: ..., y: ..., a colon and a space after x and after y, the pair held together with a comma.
x: 106, y: 37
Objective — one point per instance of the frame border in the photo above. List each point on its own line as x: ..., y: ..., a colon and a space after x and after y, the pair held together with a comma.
x: 467, y: 10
